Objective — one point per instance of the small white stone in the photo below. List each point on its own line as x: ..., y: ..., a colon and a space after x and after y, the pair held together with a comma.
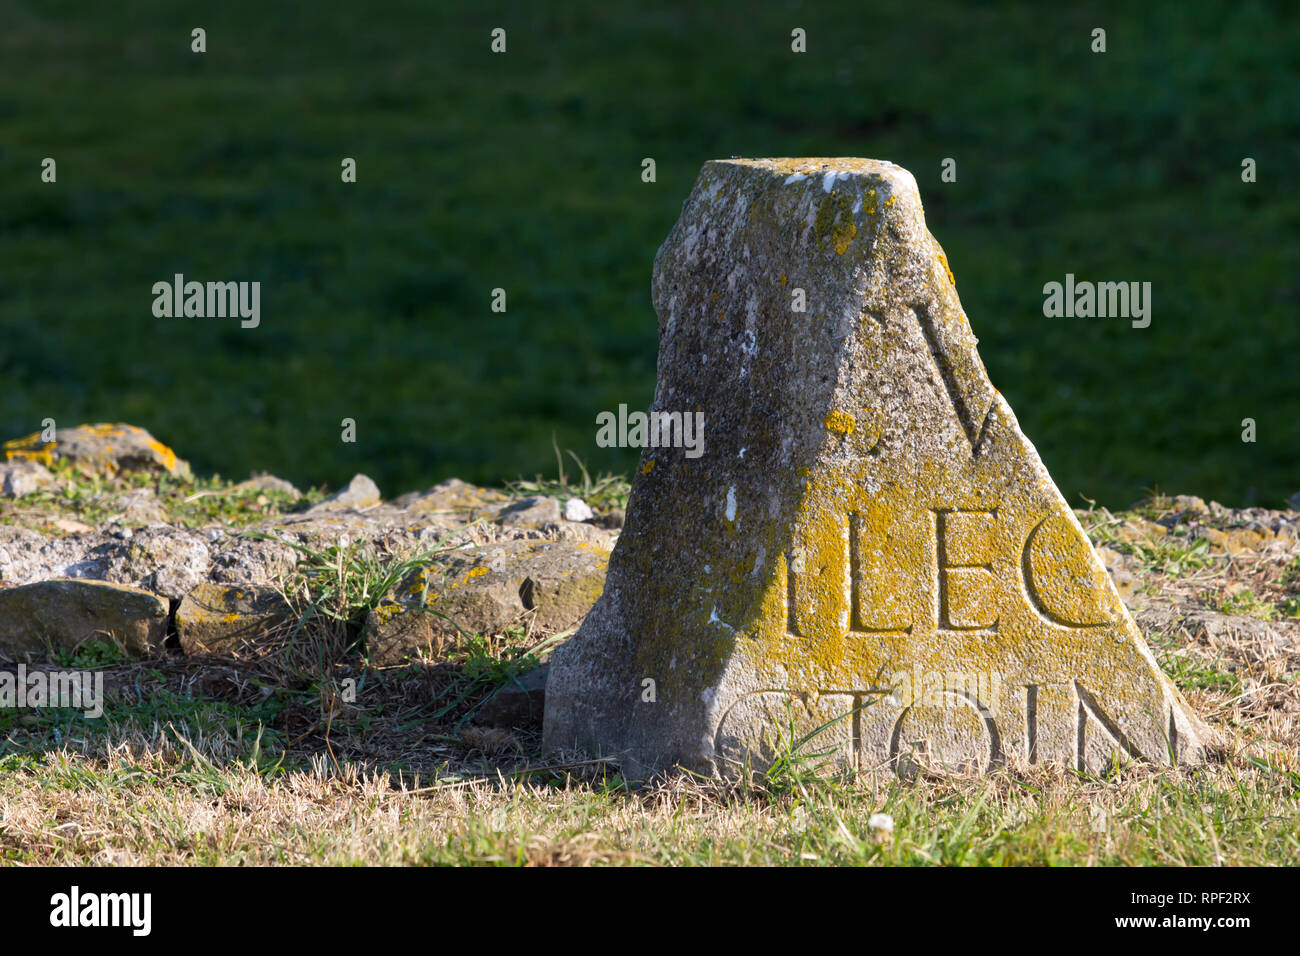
x: 575, y: 509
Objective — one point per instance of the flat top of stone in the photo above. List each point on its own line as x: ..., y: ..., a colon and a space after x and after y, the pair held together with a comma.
x: 820, y: 165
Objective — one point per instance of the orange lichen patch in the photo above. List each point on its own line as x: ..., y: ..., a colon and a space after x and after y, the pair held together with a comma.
x: 30, y: 448
x: 943, y: 260
x: 841, y: 423
x: 166, y: 456
x: 648, y: 467
x: 473, y: 573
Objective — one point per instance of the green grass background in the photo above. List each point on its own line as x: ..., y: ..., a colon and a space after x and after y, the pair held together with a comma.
x: 523, y: 171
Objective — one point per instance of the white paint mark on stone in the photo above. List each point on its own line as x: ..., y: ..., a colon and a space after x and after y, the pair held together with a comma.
x: 828, y: 181
x: 731, y: 504
x: 797, y: 177
x: 714, y: 619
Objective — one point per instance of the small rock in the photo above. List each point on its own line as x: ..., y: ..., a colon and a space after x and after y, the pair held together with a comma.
x: 1138, y: 530
x: 1189, y: 505
x: 452, y: 496
x: 62, y: 614
x: 265, y: 482
x: 536, y: 513
x: 1126, y: 582
x: 21, y: 478
x: 518, y: 704
x: 216, y: 619
x: 575, y: 509
x: 140, y: 506
x: 359, y: 493
x: 1233, y: 541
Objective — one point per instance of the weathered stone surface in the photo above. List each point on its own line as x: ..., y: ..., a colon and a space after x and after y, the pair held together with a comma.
x: 536, y: 513
x: 551, y: 584
x: 360, y: 492
x: 223, y: 619
x: 453, y: 497
x: 168, y: 561
x: 870, y: 542
x: 21, y: 478
x: 99, y: 449
x: 62, y: 614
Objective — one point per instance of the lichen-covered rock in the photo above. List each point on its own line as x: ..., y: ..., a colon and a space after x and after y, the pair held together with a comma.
x: 1235, y: 541
x: 63, y: 614
x: 99, y: 449
x: 869, y: 545
x: 453, y: 497
x: 226, y: 619
x: 21, y: 478
x: 547, y: 584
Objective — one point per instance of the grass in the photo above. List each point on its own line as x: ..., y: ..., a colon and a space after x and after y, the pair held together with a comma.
x: 604, y: 491
x: 190, y: 502
x: 523, y: 172
x: 176, y: 795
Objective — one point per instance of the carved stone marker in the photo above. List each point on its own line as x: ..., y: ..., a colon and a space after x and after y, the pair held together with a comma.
x: 869, y: 541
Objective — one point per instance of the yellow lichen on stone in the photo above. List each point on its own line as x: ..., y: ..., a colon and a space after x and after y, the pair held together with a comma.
x: 165, y: 455
x: 943, y: 260
x: 841, y: 423
x: 30, y: 448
